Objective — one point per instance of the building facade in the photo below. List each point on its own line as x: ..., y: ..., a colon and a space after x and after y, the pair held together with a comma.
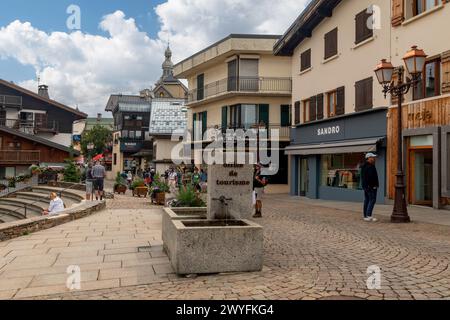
x: 339, y: 113
x: 426, y: 108
x: 37, y: 114
x: 237, y: 83
x: 132, y: 142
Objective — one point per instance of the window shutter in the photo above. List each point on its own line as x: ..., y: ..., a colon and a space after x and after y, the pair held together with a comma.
x: 194, y: 129
x: 224, y: 118
x: 264, y: 114
x: 445, y: 59
x: 312, y: 109
x: 398, y: 12
x: 200, y: 86
x: 305, y: 60
x: 320, y: 106
x: 364, y: 94
x: 331, y: 39
x: 340, y: 101
x: 362, y: 31
x: 204, y: 122
x: 297, y: 112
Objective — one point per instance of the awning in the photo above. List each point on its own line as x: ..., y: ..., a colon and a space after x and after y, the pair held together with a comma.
x: 348, y: 146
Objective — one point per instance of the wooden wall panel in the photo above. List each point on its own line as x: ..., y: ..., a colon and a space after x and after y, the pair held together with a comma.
x: 423, y: 114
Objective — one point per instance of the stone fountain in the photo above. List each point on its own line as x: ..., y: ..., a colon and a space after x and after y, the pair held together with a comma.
x: 223, y: 240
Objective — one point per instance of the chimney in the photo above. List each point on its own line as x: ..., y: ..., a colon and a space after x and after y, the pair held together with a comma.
x: 99, y: 117
x: 43, y: 91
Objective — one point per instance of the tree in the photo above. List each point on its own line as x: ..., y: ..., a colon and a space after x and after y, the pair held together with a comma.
x: 71, y: 172
x: 99, y: 137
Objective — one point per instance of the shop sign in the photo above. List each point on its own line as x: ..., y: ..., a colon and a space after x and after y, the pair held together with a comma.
x: 328, y: 130
x: 422, y: 115
x: 130, y: 146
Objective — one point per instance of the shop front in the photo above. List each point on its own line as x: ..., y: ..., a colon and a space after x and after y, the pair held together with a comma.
x: 327, y: 156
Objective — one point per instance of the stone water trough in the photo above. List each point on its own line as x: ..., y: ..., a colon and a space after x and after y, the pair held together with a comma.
x: 207, y: 241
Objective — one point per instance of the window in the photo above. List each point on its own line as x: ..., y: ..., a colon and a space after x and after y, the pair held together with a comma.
x: 340, y: 101
x: 232, y: 75
x: 364, y: 94
x: 125, y: 134
x: 342, y: 170
x: 138, y: 134
x: 331, y: 44
x: 246, y: 116
x: 363, y: 32
x: 430, y: 84
x: 420, y: 6
x: 115, y: 159
x: 331, y: 103
x: 306, y: 110
x: 200, y: 86
x: 132, y: 134
x: 285, y: 115
x: 248, y: 75
x: 200, y: 125
x: 305, y: 60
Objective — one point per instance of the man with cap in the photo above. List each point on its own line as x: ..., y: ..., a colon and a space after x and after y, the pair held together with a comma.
x: 370, y: 184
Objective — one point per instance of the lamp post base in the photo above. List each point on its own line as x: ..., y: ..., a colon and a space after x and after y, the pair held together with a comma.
x: 400, y: 218
x: 400, y: 212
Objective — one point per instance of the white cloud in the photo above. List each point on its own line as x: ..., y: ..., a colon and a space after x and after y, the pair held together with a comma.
x: 83, y: 69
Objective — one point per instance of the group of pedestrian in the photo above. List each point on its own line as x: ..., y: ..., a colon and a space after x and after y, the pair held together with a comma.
x: 95, y: 180
x: 182, y: 176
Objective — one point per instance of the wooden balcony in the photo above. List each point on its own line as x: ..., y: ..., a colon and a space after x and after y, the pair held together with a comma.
x: 14, y: 157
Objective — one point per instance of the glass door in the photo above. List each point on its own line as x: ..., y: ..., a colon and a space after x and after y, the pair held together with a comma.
x: 421, y: 176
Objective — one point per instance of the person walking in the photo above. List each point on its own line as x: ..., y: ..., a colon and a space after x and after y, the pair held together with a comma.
x: 89, y: 182
x: 196, y: 180
x: 259, y: 182
x: 370, y: 184
x: 98, y: 174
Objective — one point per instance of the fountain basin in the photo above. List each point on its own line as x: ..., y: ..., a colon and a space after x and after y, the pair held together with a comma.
x: 214, y: 246
x: 170, y: 214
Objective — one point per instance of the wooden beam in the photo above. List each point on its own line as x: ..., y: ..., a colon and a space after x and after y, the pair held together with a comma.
x: 325, y: 12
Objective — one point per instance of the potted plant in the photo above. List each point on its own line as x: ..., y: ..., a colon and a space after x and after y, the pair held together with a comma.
x: 120, y: 185
x: 159, y: 190
x: 139, y: 188
x: 35, y: 170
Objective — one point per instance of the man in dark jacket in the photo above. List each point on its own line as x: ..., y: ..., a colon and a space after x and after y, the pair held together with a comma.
x: 370, y: 184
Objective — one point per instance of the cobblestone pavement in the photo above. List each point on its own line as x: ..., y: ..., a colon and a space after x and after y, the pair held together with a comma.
x: 313, y: 252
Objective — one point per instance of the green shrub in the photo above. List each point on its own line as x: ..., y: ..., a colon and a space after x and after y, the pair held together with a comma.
x: 137, y: 183
x: 187, y: 197
x: 71, y: 172
x: 120, y: 181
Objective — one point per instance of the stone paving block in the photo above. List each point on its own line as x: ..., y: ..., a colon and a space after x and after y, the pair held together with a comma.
x: 78, y: 260
x: 139, y: 256
x: 163, y: 268
x: 61, y: 279
x: 40, y: 291
x: 126, y: 272
x: 14, y: 283
x: 7, y: 294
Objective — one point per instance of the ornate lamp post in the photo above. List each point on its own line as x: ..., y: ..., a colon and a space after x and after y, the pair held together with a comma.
x: 415, y: 64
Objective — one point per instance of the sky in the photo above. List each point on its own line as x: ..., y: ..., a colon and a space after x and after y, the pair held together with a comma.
x: 119, y: 46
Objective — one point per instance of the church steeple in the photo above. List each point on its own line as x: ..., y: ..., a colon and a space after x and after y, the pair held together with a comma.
x: 167, y: 65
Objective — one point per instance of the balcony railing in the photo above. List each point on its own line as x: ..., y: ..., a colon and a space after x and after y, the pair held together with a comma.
x: 30, y: 126
x: 19, y: 156
x: 284, y: 132
x: 14, y: 101
x: 242, y: 84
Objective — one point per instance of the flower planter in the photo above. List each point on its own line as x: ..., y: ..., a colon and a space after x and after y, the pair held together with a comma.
x: 140, y: 192
x: 160, y: 198
x: 120, y: 189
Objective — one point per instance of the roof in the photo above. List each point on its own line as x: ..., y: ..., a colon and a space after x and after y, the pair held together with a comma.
x: 315, y: 12
x: 104, y: 122
x: 167, y: 115
x: 114, y: 99
x: 49, y: 101
x: 231, y: 36
x: 37, y: 139
x: 134, y: 106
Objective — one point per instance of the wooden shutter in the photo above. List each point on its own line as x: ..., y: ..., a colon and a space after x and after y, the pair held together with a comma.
x: 362, y: 31
x: 445, y: 59
x: 284, y: 116
x: 264, y: 114
x: 320, y: 106
x: 364, y: 94
x: 398, y: 12
x: 340, y: 101
x: 224, y: 118
x: 200, y: 86
x: 194, y: 125
x: 297, y: 112
x: 204, y: 122
x: 331, y: 41
x: 305, y: 60
x: 312, y: 109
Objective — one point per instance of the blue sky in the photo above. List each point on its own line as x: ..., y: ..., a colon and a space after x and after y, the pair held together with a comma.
x: 125, y: 54
x: 50, y: 15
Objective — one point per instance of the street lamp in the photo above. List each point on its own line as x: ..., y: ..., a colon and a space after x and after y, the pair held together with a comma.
x: 415, y: 62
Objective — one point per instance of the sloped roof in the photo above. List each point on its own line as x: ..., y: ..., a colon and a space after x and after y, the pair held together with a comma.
x: 115, y: 99
x: 167, y: 116
x: 49, y: 101
x: 315, y: 12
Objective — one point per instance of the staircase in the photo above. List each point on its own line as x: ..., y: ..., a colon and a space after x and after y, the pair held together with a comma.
x: 29, y: 204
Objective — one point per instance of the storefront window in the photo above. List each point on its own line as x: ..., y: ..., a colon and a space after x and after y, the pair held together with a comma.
x: 342, y: 170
